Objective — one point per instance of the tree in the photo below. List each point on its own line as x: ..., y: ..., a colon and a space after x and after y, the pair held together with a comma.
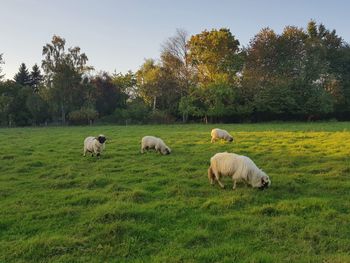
x: 177, y: 69
x: 262, y: 58
x: 339, y: 86
x: 36, y: 78
x: 127, y: 84
x: 216, y: 59
x: 291, y: 74
x: 186, y: 107
x: 109, y: 96
x: 213, y: 52
x: 64, y: 71
x: 1, y: 62
x: 148, y: 77
x: 23, y: 76
x: 174, y: 58
x: 38, y: 108
x: 276, y: 101
x: 6, y: 99
x: 157, y: 86
x: 13, y: 98
x: 214, y: 99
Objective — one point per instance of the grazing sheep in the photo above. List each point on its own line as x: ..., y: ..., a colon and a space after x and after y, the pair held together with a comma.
x: 151, y: 142
x: 94, y: 145
x: 220, y: 134
x: 239, y: 167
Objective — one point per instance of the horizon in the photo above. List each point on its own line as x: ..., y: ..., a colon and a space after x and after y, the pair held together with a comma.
x: 119, y: 36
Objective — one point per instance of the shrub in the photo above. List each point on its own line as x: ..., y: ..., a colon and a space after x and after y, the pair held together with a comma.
x: 83, y: 116
x: 158, y: 116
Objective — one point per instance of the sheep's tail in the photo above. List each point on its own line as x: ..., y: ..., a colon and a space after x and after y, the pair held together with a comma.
x: 211, y: 175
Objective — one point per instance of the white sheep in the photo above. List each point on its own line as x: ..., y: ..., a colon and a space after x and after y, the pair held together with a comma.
x: 151, y: 142
x: 94, y: 145
x: 239, y: 167
x: 220, y: 134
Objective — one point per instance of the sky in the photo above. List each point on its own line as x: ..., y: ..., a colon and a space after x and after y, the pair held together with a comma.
x: 118, y: 36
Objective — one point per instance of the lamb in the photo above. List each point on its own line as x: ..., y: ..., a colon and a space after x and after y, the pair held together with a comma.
x: 151, y: 142
x: 94, y: 145
x: 239, y: 167
x: 220, y: 134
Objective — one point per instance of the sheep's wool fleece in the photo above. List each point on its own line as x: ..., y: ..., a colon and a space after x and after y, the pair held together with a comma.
x: 91, y: 144
x: 239, y: 166
x: 220, y: 134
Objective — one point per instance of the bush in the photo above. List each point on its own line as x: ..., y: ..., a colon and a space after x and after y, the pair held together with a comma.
x: 157, y: 117
x: 137, y: 112
x: 83, y: 116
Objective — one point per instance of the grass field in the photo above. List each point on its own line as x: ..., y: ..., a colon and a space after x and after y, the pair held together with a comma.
x: 58, y: 206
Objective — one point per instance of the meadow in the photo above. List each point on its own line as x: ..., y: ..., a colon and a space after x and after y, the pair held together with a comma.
x: 58, y: 206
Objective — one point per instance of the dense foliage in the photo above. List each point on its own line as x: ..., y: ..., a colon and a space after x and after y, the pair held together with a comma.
x: 300, y: 74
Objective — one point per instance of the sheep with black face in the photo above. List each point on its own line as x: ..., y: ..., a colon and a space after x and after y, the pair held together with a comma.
x: 94, y: 145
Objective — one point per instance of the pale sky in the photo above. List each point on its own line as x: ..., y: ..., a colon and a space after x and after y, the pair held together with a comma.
x: 119, y: 35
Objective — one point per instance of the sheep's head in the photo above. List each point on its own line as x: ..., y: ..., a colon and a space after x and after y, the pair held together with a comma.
x: 166, y: 151
x: 101, y: 138
x: 264, y: 182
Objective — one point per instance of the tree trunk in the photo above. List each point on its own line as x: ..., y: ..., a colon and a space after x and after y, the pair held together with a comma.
x: 154, y: 103
x: 63, y: 114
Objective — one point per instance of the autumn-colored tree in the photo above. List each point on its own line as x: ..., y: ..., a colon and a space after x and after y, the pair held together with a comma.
x: 148, y: 81
x: 213, y: 52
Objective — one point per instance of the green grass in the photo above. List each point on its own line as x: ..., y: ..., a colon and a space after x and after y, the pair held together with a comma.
x: 58, y: 206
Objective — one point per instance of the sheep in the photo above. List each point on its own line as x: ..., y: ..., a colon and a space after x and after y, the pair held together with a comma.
x: 220, y: 134
x: 151, y: 142
x: 239, y: 167
x: 94, y: 145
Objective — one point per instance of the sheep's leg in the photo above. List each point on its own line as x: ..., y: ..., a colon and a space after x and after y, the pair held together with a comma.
x: 84, y: 153
x: 218, y: 179
x: 212, y: 181
x: 142, y: 150
x: 157, y: 150
x: 234, y: 183
x: 235, y: 177
x: 212, y: 139
x: 220, y: 183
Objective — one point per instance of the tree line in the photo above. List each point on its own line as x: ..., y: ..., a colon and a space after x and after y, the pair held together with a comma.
x: 300, y: 74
